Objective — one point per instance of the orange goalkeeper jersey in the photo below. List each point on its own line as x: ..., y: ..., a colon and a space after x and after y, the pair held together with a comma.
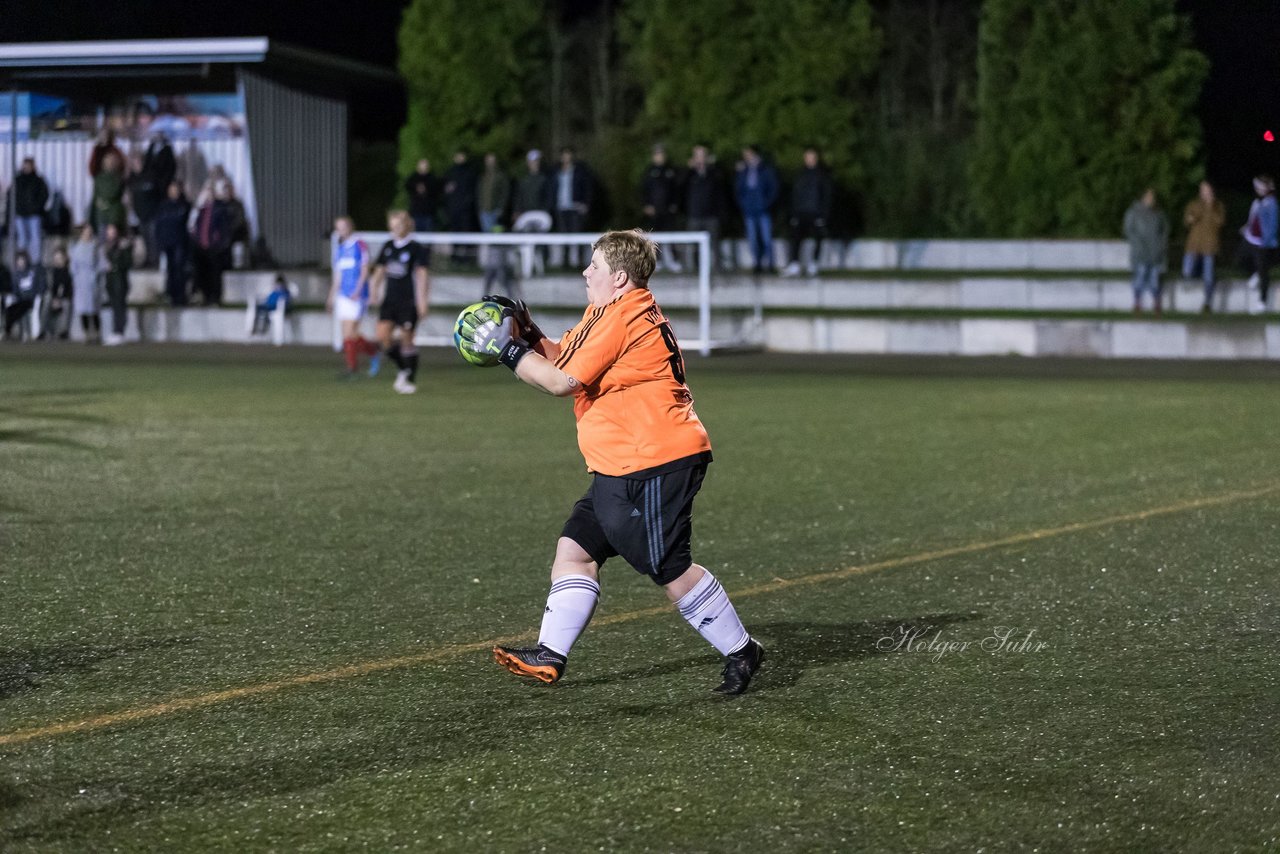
x: 635, y: 411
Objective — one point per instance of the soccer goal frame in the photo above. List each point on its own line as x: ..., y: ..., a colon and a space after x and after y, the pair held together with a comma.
x: 527, y: 244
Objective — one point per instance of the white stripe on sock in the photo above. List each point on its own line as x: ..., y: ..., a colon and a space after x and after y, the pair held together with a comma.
x: 570, y: 604
x: 707, y: 608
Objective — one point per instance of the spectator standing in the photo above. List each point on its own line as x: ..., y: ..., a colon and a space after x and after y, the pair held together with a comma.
x: 173, y: 241
x: 160, y: 162
x: 118, y: 250
x: 1147, y: 229
x: 144, y: 199
x: 211, y: 250
x: 87, y: 263
x: 1203, y: 217
x: 237, y: 226
x: 704, y: 198
x: 57, y: 320
x: 536, y: 190
x: 193, y: 169
x: 493, y: 193
x: 1260, y: 240
x: 108, y: 193
x: 660, y: 200
x: 810, y: 212
x: 57, y: 216
x: 105, y: 145
x: 424, y: 189
x: 28, y: 283
x: 573, y: 199
x: 148, y: 188
x: 30, y: 198
x: 756, y: 190
x: 460, y: 200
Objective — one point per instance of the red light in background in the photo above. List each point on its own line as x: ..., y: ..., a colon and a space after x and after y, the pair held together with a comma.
x: 1268, y: 136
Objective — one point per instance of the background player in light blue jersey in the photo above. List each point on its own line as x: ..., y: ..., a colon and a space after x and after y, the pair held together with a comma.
x: 349, y: 293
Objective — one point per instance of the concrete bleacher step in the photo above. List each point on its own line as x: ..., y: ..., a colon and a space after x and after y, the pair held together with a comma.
x: 940, y: 312
x: 1168, y: 338
x: 1040, y: 293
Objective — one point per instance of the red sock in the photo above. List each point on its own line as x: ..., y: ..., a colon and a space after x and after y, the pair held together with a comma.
x: 367, y: 347
x: 349, y: 354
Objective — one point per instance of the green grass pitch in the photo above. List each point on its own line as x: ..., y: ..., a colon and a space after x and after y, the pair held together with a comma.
x: 245, y: 606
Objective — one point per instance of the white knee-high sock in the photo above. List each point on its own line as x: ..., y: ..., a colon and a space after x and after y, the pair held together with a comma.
x: 707, y: 608
x: 570, y: 604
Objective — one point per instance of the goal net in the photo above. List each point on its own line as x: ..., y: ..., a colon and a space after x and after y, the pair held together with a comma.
x: 546, y: 271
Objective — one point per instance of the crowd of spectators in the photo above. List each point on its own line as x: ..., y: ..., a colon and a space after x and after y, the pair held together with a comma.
x: 138, y: 216
x: 562, y: 197
x: 1146, y: 228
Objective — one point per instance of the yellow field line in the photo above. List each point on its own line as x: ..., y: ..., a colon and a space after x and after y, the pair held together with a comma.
x: 445, y: 652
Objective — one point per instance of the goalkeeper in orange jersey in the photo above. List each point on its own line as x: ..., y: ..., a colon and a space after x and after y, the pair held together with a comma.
x: 645, y: 446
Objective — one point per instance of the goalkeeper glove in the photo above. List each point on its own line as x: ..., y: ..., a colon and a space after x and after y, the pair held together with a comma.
x: 492, y: 338
x: 527, y: 329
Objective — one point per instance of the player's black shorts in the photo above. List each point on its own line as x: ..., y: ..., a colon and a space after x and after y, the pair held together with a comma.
x: 403, y: 313
x: 647, y: 522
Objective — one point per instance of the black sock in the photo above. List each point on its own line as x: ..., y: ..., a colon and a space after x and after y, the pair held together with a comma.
x: 411, y: 364
x: 394, y: 352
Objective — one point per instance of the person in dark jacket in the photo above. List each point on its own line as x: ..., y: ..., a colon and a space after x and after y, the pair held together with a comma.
x: 755, y: 190
x: 118, y: 250
x: 425, y: 191
x: 30, y: 198
x: 573, y: 196
x: 151, y: 177
x: 460, y: 202
x: 493, y: 194
x: 810, y: 212
x: 660, y: 200
x: 173, y: 241
x: 57, y: 308
x: 704, y: 197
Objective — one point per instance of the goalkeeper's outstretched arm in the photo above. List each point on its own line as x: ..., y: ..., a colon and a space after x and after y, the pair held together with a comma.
x: 541, y: 373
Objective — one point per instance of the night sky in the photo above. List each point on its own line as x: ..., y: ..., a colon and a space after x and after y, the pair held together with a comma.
x: 1241, y: 99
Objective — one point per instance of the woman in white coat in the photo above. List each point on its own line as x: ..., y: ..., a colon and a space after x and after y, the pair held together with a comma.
x: 87, y: 263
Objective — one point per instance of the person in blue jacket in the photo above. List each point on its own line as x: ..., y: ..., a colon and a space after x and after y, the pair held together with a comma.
x: 755, y: 188
x: 1261, y: 233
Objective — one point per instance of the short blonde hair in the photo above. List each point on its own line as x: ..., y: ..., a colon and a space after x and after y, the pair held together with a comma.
x: 630, y: 251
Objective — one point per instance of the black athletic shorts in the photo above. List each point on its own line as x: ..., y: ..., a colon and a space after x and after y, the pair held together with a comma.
x: 403, y: 313
x: 645, y: 521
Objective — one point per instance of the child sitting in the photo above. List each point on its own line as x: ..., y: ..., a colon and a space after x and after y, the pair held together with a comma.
x: 279, y: 293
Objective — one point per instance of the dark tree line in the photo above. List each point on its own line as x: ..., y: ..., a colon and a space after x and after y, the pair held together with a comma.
x: 936, y: 117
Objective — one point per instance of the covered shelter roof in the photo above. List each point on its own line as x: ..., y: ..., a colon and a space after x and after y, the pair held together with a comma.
x: 102, y: 69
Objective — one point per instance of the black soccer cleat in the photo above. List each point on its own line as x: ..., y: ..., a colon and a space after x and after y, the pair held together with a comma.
x: 740, y: 667
x: 536, y: 662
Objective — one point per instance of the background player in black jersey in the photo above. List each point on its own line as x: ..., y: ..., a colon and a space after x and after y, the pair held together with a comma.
x: 400, y: 282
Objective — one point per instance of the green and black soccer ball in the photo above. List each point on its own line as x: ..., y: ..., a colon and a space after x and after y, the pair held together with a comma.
x: 470, y: 317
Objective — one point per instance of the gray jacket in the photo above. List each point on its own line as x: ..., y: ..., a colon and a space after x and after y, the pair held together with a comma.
x: 1147, y: 230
